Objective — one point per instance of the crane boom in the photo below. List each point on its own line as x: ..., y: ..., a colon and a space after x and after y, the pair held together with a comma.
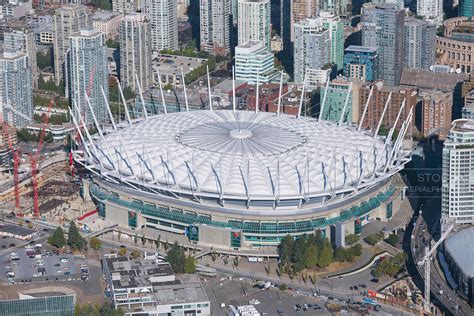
x: 436, y: 245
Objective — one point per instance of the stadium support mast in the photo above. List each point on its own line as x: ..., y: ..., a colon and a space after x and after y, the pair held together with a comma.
x: 392, y: 130
x: 209, y: 88
x: 76, y: 124
x: 184, y: 89
x: 401, y: 136
x: 234, y: 105
x: 279, y: 93
x: 365, y: 108
x: 258, y: 94
x: 324, y: 101
x: 94, y: 118
x: 145, y: 114
x: 161, y: 92
x: 341, y: 120
x: 127, y: 114
x: 302, y: 97
x: 383, y: 114
x: 108, y: 108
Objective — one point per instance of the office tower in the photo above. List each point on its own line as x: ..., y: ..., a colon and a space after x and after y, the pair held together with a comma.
x: 135, y: 51
x: 436, y: 112
x: 16, y: 90
x: 163, y: 17
x: 67, y: 19
x: 88, y: 71
x: 382, y: 27
x: 419, y: 43
x: 252, y: 59
x: 335, y: 101
x: 466, y: 8
x: 312, y: 49
x: 19, y: 36
x: 214, y: 22
x: 458, y: 179
x: 336, y: 34
x: 254, y: 21
x: 431, y: 10
x: 361, y: 63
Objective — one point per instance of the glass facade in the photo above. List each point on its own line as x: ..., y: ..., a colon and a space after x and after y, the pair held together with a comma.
x: 389, y: 210
x: 62, y: 305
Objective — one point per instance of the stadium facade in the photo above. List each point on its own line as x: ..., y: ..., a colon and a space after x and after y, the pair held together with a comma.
x: 240, y: 179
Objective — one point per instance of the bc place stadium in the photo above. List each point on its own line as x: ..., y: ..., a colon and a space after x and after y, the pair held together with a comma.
x: 241, y: 179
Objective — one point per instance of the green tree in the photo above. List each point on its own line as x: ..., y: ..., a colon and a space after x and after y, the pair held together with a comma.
x: 189, y: 265
x: 112, y: 44
x: 392, y: 240
x: 158, y: 242
x: 95, y: 243
x: 44, y: 60
x: 122, y: 251
x: 135, y: 254
x: 176, y: 258
x: 339, y: 255
x: 311, y: 256
x: 283, y: 287
x: 299, y: 253
x: 357, y: 249
x: 135, y: 238
x: 352, y: 239
x: 143, y: 239
x: 349, y: 255
x: 285, y: 250
x: 75, y: 240
x: 57, y: 239
x: 325, y: 257
x: 373, y: 239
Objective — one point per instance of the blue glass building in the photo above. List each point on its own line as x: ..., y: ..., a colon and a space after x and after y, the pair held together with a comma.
x: 361, y: 62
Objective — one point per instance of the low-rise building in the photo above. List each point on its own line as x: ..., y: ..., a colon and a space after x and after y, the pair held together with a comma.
x: 436, y: 112
x: 149, y: 287
x: 107, y: 22
x: 169, y: 68
x: 52, y: 304
x: 253, y: 60
x: 17, y: 232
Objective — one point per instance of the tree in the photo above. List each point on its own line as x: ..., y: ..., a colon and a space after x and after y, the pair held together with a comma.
x: 158, y: 242
x: 75, y: 240
x: 143, y: 240
x: 325, y: 257
x: 30, y: 225
x: 112, y: 44
x: 357, y: 249
x: 95, y: 243
x: 283, y: 287
x: 311, y: 256
x: 57, y: 238
x: 105, y: 310
x: 285, y: 250
x: 122, y: 251
x: 135, y: 238
x: 189, y: 265
x: 373, y: 239
x: 135, y: 254
x: 339, y: 255
x: 352, y: 239
x: 392, y: 240
x: 299, y: 253
x: 176, y: 258
x: 44, y: 60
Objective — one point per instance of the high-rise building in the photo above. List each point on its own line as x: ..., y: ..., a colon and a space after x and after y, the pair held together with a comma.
x: 252, y: 59
x: 67, y: 19
x: 336, y: 34
x: 336, y: 7
x: 135, y: 51
x: 382, y: 27
x: 126, y: 6
x: 468, y: 109
x: 312, y: 49
x: 436, y: 112
x: 361, y: 63
x: 335, y: 101
x: 16, y: 90
x: 254, y: 21
x: 419, y: 43
x: 457, y: 200
x: 214, y: 26
x: 20, y: 37
x: 163, y: 16
x: 431, y: 10
x: 88, y: 72
x: 466, y: 8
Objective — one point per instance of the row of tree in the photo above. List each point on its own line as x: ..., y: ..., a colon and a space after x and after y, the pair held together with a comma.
x: 105, y: 310
x: 51, y: 86
x: 25, y: 136
x: 179, y: 261
x: 56, y: 119
x: 200, y: 71
x: 390, y: 266
x: 74, y: 239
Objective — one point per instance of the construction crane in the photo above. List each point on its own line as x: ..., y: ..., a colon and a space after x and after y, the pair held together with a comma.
x: 16, y: 164
x: 35, y: 158
x: 427, y: 262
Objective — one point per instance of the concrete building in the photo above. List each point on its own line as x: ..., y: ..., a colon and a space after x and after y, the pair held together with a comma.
x: 430, y: 10
x: 457, y: 200
x: 361, y: 63
x: 127, y: 6
x: 468, y: 109
x: 436, y: 112
x: 419, y: 43
x: 87, y: 73
x: 135, y: 51
x: 67, y: 19
x: 169, y: 67
x: 16, y: 90
x: 254, y: 21
x: 214, y: 26
x: 336, y: 34
x: 15, y: 8
x: 252, y: 59
x: 163, y: 17
x: 148, y: 287
x: 312, y: 49
x: 294, y: 11
x: 382, y: 27
x: 107, y: 22
x: 378, y: 101
x: 336, y: 7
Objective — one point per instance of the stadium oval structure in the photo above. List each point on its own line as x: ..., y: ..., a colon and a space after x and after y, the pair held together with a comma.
x: 258, y: 175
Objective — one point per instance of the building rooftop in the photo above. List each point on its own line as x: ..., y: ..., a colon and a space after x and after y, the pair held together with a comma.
x: 428, y: 79
x: 16, y: 230
x: 104, y: 15
x: 460, y: 246
x: 171, y: 64
x: 365, y: 49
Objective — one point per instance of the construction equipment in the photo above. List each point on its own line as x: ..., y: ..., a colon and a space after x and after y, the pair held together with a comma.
x: 34, y: 159
x: 427, y: 262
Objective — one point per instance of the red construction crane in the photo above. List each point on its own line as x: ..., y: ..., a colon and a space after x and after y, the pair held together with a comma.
x: 35, y: 158
x: 16, y: 163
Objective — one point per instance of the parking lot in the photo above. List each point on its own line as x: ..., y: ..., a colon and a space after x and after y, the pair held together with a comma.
x: 9, y: 242
x: 33, y: 264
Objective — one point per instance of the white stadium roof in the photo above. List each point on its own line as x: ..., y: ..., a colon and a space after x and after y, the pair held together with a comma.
x: 242, y: 155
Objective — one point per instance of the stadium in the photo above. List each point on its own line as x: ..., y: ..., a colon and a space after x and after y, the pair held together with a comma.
x: 239, y: 179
